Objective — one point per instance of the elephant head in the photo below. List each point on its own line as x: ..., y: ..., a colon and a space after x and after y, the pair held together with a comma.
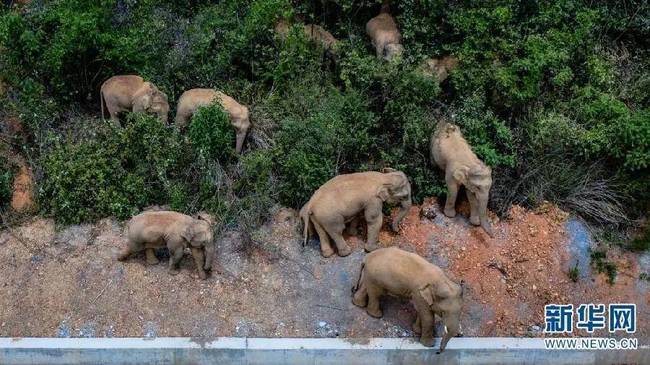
x: 199, y: 234
x: 396, y: 189
x: 477, y: 181
x: 151, y: 100
x: 445, y: 298
x: 393, y: 50
x: 241, y: 121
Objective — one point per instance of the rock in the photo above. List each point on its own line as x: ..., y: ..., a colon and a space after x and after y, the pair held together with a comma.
x: 428, y: 212
x: 22, y: 197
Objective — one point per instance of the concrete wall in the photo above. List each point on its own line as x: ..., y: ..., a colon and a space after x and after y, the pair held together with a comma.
x: 287, y: 351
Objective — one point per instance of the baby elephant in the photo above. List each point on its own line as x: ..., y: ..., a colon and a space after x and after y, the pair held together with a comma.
x: 344, y: 197
x: 384, y: 34
x: 126, y: 93
x: 404, y: 274
x: 150, y: 230
x: 192, y: 99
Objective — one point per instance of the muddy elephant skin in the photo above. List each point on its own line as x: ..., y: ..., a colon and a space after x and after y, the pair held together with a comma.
x: 451, y: 152
x: 343, y: 198
x: 403, y: 274
x: 175, y: 231
x: 130, y: 93
x: 192, y: 99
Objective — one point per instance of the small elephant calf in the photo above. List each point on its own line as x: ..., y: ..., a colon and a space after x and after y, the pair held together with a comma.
x: 151, y: 230
x: 404, y: 274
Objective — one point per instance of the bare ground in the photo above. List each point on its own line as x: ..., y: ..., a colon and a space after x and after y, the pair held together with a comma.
x: 65, y: 281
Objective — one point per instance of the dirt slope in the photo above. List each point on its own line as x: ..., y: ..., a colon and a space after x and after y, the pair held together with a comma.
x: 66, y: 282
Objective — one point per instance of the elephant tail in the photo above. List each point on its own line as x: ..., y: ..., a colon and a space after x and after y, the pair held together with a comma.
x: 304, y: 215
x: 101, y: 102
x: 356, y: 286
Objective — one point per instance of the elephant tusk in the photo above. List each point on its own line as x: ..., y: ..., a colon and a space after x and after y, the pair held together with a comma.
x: 446, y: 331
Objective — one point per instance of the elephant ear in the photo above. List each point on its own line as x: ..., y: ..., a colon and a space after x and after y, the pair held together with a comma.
x: 188, y: 233
x: 427, y: 293
x: 146, y: 98
x: 383, y: 192
x: 460, y: 174
x: 206, y: 217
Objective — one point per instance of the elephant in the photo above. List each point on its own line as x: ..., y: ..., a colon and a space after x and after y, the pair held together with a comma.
x: 439, y: 67
x: 384, y: 34
x: 313, y: 32
x: 343, y: 198
x: 404, y: 274
x: 125, y: 93
x: 192, y: 99
x: 451, y: 152
x: 153, y: 229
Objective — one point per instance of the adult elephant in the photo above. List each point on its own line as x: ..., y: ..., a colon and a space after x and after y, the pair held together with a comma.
x: 451, y: 152
x: 404, y: 274
x: 344, y: 197
x: 193, y: 99
x: 130, y: 93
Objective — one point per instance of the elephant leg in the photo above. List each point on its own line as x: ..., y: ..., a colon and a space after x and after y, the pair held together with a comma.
x: 113, y: 112
x: 417, y: 326
x: 360, y: 298
x: 373, y: 309
x: 199, y: 260
x: 352, y: 226
x: 374, y: 218
x: 325, y: 245
x: 452, y: 192
x: 150, y: 253
x: 426, y: 317
x: 131, y: 247
x: 334, y: 226
x: 474, y: 217
x: 335, y: 231
x: 175, y: 256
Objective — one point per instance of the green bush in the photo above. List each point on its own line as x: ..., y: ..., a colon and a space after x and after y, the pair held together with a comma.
x: 553, y: 95
x: 115, y: 174
x: 211, y: 133
x: 7, y: 172
x: 332, y: 138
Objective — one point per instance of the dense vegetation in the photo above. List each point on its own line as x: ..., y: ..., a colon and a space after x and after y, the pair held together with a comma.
x: 554, y: 95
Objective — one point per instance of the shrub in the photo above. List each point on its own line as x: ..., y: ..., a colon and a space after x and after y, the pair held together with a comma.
x: 115, y: 174
x: 490, y: 138
x: 7, y: 172
x: 331, y: 139
x: 211, y: 133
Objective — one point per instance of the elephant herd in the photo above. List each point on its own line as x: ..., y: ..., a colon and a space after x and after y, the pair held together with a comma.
x: 336, y: 206
x: 126, y: 93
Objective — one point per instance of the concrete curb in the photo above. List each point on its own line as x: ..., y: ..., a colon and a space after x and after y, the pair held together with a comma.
x: 241, y: 350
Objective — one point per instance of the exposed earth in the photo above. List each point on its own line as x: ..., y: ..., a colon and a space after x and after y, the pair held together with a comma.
x: 65, y: 281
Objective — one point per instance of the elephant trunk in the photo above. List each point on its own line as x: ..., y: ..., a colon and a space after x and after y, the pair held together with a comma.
x: 241, y: 136
x: 485, y: 224
x: 404, y: 209
x: 452, y: 329
x: 209, y: 255
x: 164, y: 117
